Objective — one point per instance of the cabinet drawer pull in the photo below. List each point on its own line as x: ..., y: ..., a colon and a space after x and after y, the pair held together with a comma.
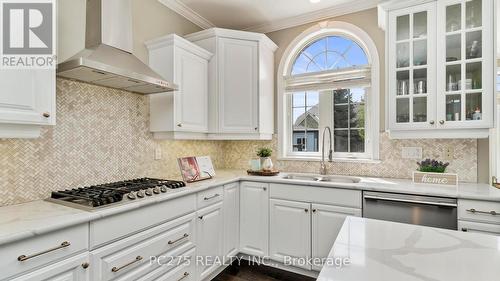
x: 472, y: 210
x: 25, y: 257
x: 116, y: 269
x: 178, y: 239
x: 184, y: 276
x: 211, y: 197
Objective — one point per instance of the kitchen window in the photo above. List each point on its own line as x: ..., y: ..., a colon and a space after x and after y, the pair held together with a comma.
x: 330, y: 78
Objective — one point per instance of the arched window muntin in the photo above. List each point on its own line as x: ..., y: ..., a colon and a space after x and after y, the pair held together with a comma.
x: 284, y: 76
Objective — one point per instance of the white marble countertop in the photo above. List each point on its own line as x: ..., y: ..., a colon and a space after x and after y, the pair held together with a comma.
x: 376, y: 250
x: 34, y: 218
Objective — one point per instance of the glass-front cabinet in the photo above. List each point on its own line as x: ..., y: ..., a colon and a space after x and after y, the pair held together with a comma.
x: 441, y: 66
x: 412, y: 67
x: 465, y: 63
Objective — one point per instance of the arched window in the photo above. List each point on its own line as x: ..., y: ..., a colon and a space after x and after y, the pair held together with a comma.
x: 329, y: 77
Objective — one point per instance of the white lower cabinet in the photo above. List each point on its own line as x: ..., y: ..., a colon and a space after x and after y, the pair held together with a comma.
x: 72, y: 269
x: 477, y: 227
x: 326, y: 224
x: 254, y: 218
x: 231, y: 219
x: 290, y: 231
x: 209, y: 239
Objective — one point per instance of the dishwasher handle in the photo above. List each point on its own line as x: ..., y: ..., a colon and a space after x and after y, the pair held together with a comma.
x: 437, y: 203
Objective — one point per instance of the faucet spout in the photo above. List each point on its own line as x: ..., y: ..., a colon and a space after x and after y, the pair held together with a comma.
x: 322, y: 168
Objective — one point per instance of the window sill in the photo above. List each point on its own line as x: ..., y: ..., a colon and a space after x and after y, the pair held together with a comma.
x: 337, y: 160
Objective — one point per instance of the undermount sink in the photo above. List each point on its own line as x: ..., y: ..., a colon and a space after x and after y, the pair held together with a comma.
x: 322, y: 178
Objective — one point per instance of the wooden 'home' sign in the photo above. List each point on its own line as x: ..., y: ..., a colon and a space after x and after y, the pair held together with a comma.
x: 435, y: 178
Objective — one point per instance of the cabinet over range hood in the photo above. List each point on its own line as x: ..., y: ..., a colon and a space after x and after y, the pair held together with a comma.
x: 107, y: 59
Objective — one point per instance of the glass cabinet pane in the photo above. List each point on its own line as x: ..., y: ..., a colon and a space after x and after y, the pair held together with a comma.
x: 473, y: 45
x: 403, y: 110
x: 420, y: 52
x: 420, y: 81
x: 453, y: 18
x: 403, y: 55
x: 473, y: 106
x: 403, y: 27
x: 420, y: 25
x: 453, y: 77
x: 453, y: 107
x: 473, y: 76
x: 453, y: 47
x: 403, y: 83
x: 473, y: 14
x: 420, y: 109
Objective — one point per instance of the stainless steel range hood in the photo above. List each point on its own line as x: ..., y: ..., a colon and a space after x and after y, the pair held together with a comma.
x: 107, y: 59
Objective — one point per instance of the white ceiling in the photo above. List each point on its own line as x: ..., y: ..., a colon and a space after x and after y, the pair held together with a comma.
x: 262, y: 15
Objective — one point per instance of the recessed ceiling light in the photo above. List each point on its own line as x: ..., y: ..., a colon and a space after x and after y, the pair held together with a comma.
x: 314, y: 1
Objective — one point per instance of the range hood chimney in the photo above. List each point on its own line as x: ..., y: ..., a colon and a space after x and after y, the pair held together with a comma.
x: 107, y: 59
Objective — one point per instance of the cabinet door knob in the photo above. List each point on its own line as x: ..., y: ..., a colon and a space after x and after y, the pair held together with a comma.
x: 200, y: 217
x: 264, y: 188
x: 46, y: 114
x: 464, y: 229
x: 85, y: 265
x: 306, y: 210
x: 314, y: 210
x: 432, y: 122
x: 179, y: 125
x: 441, y: 122
x: 256, y: 128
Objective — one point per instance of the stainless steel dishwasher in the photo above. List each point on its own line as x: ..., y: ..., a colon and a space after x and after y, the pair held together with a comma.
x: 414, y: 209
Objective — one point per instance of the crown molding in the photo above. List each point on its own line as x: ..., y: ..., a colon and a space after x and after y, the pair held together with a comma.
x: 188, y: 13
x: 334, y: 11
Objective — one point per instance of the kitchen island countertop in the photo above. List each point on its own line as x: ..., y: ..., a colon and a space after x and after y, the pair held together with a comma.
x: 374, y: 250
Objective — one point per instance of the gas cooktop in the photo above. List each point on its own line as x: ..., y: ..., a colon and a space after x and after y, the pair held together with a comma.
x: 97, y: 196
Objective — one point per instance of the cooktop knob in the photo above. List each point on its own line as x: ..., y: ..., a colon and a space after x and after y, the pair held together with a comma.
x: 140, y: 194
x: 131, y: 196
x: 163, y: 188
x: 156, y: 190
x: 149, y: 192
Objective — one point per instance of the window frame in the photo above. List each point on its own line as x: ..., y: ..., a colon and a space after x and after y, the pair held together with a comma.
x: 372, y: 121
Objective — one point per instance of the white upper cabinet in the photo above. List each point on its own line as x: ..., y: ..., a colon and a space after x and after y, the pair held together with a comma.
x: 440, y: 72
x: 241, y: 83
x: 182, y: 114
x: 27, y: 101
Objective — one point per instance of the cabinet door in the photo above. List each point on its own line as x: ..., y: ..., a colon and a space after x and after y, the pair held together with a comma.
x: 254, y: 218
x: 290, y: 231
x: 28, y: 96
x: 476, y: 227
x: 465, y: 63
x: 191, y: 101
x: 209, y: 239
x: 231, y: 219
x: 411, y: 68
x: 326, y: 223
x: 238, y: 86
x: 72, y: 269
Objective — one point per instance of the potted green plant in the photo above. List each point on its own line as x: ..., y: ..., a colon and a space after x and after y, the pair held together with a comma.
x: 265, y: 158
x: 432, y: 166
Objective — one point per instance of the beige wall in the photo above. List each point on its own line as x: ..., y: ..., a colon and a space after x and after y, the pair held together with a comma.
x: 151, y: 19
x: 366, y: 20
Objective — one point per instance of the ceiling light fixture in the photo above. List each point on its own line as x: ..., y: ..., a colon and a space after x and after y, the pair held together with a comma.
x: 314, y: 1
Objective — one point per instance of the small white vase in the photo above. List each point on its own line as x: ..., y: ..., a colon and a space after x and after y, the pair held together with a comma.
x: 266, y: 163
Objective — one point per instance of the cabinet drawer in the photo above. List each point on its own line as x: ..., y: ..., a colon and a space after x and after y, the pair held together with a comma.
x: 185, y: 270
x: 480, y: 211
x: 115, y: 227
x: 42, y: 250
x: 477, y: 227
x: 210, y: 196
x: 331, y: 196
x: 133, y: 257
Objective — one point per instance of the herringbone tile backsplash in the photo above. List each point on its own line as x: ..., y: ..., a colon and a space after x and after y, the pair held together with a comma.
x: 102, y: 135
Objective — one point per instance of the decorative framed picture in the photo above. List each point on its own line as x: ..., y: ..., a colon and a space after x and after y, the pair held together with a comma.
x: 196, y: 168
